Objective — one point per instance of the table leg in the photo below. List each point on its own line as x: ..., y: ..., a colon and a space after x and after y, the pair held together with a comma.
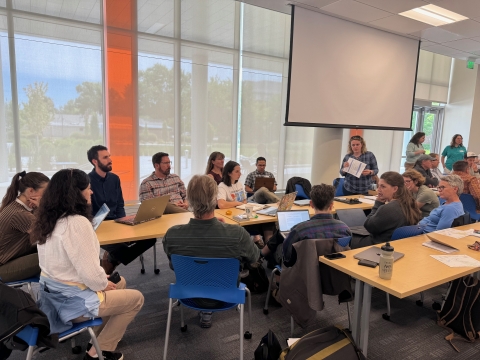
x: 357, y: 311
x: 365, y: 320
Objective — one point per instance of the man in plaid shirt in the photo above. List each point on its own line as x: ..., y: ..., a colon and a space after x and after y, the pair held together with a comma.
x: 161, y: 183
x: 262, y: 195
x: 471, y: 185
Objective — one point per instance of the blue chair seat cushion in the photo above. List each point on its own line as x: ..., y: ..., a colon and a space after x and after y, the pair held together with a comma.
x: 207, y: 304
x: 34, y: 279
x: 81, y: 325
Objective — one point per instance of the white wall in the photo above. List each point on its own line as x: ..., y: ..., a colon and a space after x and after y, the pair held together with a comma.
x: 474, y: 135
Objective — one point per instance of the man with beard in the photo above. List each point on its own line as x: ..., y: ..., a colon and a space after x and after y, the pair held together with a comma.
x: 107, y: 190
x: 162, y: 183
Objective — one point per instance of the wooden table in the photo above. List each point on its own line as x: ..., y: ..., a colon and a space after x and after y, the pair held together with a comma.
x: 415, y: 272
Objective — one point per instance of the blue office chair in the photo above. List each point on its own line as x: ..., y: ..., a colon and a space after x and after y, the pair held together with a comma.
x: 470, y: 206
x: 338, y: 183
x: 29, y: 334
x: 207, y: 278
x: 301, y: 195
x: 407, y: 231
x: 28, y: 282
x: 344, y: 241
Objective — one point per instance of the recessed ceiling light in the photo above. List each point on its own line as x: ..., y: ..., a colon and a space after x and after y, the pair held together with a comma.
x: 433, y: 15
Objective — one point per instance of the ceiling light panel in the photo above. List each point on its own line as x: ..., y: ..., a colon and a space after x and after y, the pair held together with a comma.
x: 433, y: 15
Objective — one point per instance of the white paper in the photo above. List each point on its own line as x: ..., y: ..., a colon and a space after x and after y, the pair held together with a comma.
x: 457, y: 234
x: 370, y: 198
x: 366, y: 201
x: 457, y: 260
x: 440, y: 247
x: 255, y: 206
x: 291, y: 341
x: 355, y: 168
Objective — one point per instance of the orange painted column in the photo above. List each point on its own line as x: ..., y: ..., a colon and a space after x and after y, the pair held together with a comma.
x: 356, y: 132
x: 121, y: 91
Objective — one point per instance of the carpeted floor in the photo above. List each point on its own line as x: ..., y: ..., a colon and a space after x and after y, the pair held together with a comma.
x: 411, y: 334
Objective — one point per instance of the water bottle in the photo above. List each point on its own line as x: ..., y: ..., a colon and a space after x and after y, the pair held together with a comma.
x: 386, y: 262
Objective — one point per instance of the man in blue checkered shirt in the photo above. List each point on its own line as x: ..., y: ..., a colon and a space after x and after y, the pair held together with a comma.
x: 262, y: 195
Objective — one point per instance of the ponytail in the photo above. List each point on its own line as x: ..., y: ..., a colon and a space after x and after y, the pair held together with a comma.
x: 21, y: 182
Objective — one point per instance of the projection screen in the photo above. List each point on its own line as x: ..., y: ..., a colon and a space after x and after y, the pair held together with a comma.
x: 348, y: 75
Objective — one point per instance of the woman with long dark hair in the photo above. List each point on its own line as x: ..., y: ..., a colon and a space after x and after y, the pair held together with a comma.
x: 414, y: 149
x: 215, y: 166
x: 453, y: 152
x: 18, y: 257
x: 394, y: 207
x: 68, y: 252
x: 231, y: 192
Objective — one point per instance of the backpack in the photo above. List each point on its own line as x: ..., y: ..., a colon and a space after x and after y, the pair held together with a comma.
x: 461, y: 310
x: 257, y: 280
x: 330, y: 343
x: 269, y: 348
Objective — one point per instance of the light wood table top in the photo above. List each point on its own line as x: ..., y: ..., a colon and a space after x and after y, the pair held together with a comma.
x: 261, y: 219
x: 416, y: 271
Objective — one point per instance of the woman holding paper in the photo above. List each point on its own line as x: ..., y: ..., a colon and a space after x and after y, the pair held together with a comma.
x: 358, y: 182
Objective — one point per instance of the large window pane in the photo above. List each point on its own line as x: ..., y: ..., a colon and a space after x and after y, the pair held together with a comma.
x: 80, y: 10
x: 298, y: 153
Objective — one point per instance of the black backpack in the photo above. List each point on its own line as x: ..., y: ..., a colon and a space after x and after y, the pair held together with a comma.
x: 269, y: 348
x: 257, y: 280
x: 460, y: 313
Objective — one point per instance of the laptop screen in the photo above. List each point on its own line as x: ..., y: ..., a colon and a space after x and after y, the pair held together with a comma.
x: 99, y: 216
x: 288, y: 219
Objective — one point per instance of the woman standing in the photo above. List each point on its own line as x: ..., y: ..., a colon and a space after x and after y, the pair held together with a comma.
x: 414, y: 149
x: 453, y: 152
x: 73, y: 285
x: 215, y: 166
x: 18, y: 257
x: 426, y: 199
x: 394, y: 208
x: 357, y: 150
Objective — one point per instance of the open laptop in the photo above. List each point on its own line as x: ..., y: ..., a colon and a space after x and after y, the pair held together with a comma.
x: 373, y: 254
x: 288, y: 219
x: 149, y: 209
x: 100, y: 216
x: 354, y: 218
x: 267, y: 182
x: 285, y: 204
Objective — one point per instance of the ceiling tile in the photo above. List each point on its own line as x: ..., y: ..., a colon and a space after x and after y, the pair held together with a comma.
x: 425, y: 44
x: 468, y: 8
x: 437, y: 35
x: 444, y: 50
x: 314, y: 3
x: 400, y: 24
x: 395, y: 6
x: 356, y: 11
x: 464, y: 45
x: 466, y: 28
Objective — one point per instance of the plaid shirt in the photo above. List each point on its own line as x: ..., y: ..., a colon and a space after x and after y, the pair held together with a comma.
x: 471, y: 185
x: 320, y: 226
x: 360, y: 185
x: 172, y: 185
x: 250, y: 180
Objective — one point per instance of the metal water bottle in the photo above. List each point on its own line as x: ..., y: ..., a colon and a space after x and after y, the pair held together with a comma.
x: 385, y: 269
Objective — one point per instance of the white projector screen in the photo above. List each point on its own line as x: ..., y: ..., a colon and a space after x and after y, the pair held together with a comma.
x: 348, y: 75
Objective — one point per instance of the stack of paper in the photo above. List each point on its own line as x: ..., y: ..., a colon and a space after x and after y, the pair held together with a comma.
x: 457, y: 260
x: 440, y: 247
x: 255, y: 206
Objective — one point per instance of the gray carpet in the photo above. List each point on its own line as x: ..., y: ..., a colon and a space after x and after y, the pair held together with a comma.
x: 411, y: 334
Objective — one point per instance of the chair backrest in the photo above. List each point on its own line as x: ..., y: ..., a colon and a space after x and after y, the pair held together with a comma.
x: 352, y: 217
x: 468, y: 203
x: 211, y: 278
x: 442, y: 200
x: 462, y: 220
x: 345, y: 241
x: 407, y: 231
x: 338, y: 183
x: 300, y: 193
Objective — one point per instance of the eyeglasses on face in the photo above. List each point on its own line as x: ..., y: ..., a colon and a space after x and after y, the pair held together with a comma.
x: 442, y: 187
x: 166, y: 162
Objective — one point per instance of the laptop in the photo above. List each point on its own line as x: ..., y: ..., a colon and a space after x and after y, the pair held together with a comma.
x: 289, y: 218
x: 354, y: 218
x: 285, y: 204
x: 304, y: 202
x: 267, y: 182
x: 373, y: 254
x: 100, y: 216
x: 149, y: 210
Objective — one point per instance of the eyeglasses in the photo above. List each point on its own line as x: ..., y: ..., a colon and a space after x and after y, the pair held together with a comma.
x: 166, y: 162
x: 407, y: 181
x: 442, y: 187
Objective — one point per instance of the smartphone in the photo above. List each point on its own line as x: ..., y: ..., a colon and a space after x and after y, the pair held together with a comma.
x: 115, y: 277
x: 368, y: 263
x: 335, y: 256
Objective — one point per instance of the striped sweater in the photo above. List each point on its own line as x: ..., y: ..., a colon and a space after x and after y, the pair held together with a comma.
x: 15, y: 221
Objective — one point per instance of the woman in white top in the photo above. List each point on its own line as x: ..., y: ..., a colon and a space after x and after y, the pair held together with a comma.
x: 68, y: 252
x: 231, y: 193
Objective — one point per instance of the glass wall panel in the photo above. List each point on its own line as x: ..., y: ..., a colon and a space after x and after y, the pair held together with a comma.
x: 80, y: 10
x: 298, y: 153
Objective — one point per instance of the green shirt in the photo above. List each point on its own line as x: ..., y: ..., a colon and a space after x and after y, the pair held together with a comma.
x: 426, y: 196
x: 453, y: 155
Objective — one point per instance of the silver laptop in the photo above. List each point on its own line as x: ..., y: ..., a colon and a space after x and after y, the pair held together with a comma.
x: 373, y: 254
x: 100, y: 216
x: 288, y: 219
x: 354, y: 218
x: 305, y: 202
x: 285, y: 204
x: 149, y: 210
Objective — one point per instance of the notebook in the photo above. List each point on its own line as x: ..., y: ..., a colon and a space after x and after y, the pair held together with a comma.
x: 285, y: 204
x: 267, y: 182
x: 100, y: 216
x: 373, y: 254
x: 288, y: 219
x: 149, y: 209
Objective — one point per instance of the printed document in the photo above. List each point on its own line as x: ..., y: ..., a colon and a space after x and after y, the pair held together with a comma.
x: 457, y: 260
x: 355, y: 167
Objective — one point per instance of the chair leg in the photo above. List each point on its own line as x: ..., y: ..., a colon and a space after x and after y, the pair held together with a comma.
x: 269, y: 291
x: 183, y: 327
x: 143, y: 264
x: 386, y: 316
x: 95, y: 343
x: 155, y: 269
x: 167, y: 332
x: 248, y: 333
x: 420, y: 302
x: 292, y: 326
x: 30, y: 353
x: 348, y: 314
x: 241, y: 331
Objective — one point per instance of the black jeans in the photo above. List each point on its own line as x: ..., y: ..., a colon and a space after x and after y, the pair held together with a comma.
x: 125, y: 253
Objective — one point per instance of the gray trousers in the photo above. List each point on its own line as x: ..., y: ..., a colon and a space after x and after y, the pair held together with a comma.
x: 264, y: 196
x: 20, y: 268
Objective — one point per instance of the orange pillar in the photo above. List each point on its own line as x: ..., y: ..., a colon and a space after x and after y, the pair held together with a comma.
x: 121, y: 91
x: 356, y: 132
